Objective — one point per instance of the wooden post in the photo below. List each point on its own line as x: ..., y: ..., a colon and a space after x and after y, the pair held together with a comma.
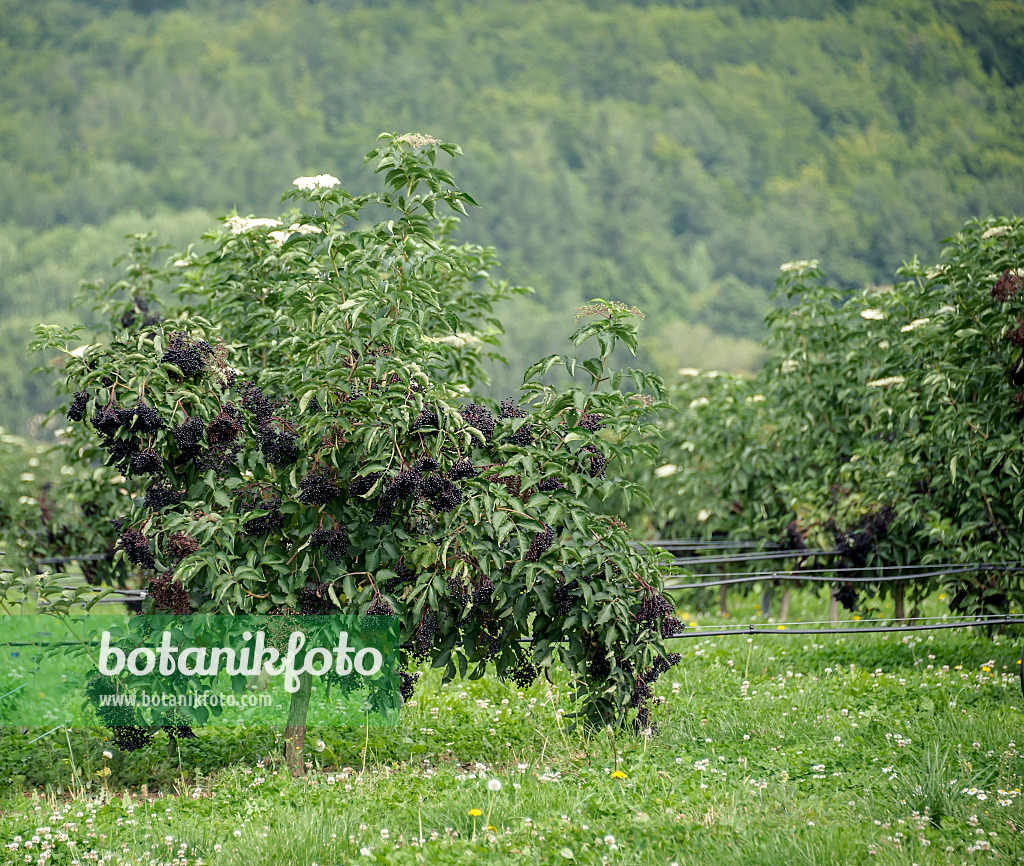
x: 295, y: 730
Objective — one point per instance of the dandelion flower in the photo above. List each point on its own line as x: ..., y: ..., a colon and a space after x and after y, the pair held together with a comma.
x: 494, y: 785
x: 618, y: 774
x: 474, y: 813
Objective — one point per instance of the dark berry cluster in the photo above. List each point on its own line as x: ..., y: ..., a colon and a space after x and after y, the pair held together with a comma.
x: 522, y: 437
x: 261, y: 499
x: 363, y: 485
x: 141, y: 418
x: 136, y: 548
x: 315, y: 600
x: 405, y: 485
x: 793, y: 538
x: 120, y: 451
x: 426, y: 465
x: 1016, y: 335
x: 653, y: 608
x: 146, y: 462
x: 179, y: 545
x: 403, y: 574
x: 408, y: 684
x: 425, y: 634
x: 107, y: 420
x: 448, y: 497
x: 77, y: 409
x: 456, y: 591
x: 541, y: 542
x: 187, y: 354
x: 846, y: 595
x: 482, y: 593
x: 169, y: 596
x: 854, y: 545
x: 509, y: 409
x: 426, y: 418
x: 1007, y: 286
x: 160, y: 494
x: 671, y: 626
x: 547, y: 485
x: 524, y: 673
x: 225, y: 428
x: 319, y: 487
x: 563, y: 597
x: 597, y: 462
x: 591, y: 422
x: 279, y: 447
x: 333, y: 540
x: 512, y: 483
x: 380, y: 607
x: 462, y: 468
x: 254, y: 402
x: 188, y: 436
x: 479, y: 417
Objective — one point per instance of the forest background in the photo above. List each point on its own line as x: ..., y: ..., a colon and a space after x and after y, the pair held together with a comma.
x: 669, y: 155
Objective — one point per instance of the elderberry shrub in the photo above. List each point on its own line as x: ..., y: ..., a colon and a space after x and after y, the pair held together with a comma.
x: 225, y: 428
x: 179, y: 545
x: 136, y: 548
x: 141, y: 418
x: 318, y: 487
x: 408, y: 685
x: 187, y: 354
x: 160, y: 494
x: 336, y: 547
x: 254, y: 402
x: 462, y: 468
x: 146, y: 462
x: 168, y: 595
x: 188, y: 437
x: 448, y: 498
x: 426, y: 419
x: 425, y: 634
x: 363, y: 485
x: 279, y: 447
x: 107, y: 420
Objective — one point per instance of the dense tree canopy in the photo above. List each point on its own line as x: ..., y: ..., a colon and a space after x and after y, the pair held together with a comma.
x: 668, y: 155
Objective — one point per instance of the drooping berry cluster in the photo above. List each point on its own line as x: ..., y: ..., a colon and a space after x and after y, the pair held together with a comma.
x: 547, y: 485
x: 278, y: 446
x: 512, y: 483
x: 188, y: 436
x: 333, y: 540
x: 187, y: 354
x: 448, y: 496
x: 136, y: 548
x: 254, y: 402
x: 315, y: 600
x: 462, y: 468
x: 225, y: 428
x: 591, y: 422
x: 179, y: 545
x: 1016, y: 335
x: 160, y: 494
x: 363, y: 485
x: 169, y: 596
x: 653, y: 608
x: 522, y: 437
x: 508, y: 408
x: 408, y: 684
x: 425, y: 634
x: 146, y: 462
x: 380, y: 607
x: 854, y: 545
x: 107, y: 420
x: 319, y: 487
x: 483, y: 592
x: 77, y: 409
x: 597, y: 461
x: 479, y: 417
x: 1007, y: 286
x: 261, y: 499
x: 141, y: 418
x: 120, y: 451
x: 403, y: 574
x: 524, y: 673
x: 563, y: 597
x: 541, y: 542
x: 426, y: 418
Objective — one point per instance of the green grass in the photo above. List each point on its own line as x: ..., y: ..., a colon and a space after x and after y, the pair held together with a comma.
x: 773, y: 749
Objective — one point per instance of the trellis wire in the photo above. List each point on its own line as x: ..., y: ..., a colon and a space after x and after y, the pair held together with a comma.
x: 821, y: 574
x: 784, y: 628
x: 754, y: 557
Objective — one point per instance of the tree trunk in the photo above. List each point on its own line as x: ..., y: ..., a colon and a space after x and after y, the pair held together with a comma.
x: 898, y: 598
x: 723, y: 607
x: 295, y: 731
x: 784, y: 606
x: 833, y: 606
x: 766, y: 601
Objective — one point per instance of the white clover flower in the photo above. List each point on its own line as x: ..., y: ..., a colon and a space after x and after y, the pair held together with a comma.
x: 666, y: 470
x: 494, y: 785
x: 688, y: 371
x: 995, y: 232
x: 700, y: 401
x: 320, y: 745
x: 872, y: 315
x: 914, y: 325
x: 888, y: 380
x: 320, y: 181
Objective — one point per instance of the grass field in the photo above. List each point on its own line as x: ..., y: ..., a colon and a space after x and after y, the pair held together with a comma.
x: 892, y: 748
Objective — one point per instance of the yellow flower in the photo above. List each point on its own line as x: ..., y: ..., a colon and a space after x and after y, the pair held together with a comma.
x: 856, y: 616
x: 986, y: 668
x: 475, y: 813
x: 491, y: 827
x: 780, y: 627
x: 942, y: 596
x: 618, y: 774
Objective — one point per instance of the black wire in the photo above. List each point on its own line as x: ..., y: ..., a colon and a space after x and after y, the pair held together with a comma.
x: 696, y: 632
x: 754, y: 557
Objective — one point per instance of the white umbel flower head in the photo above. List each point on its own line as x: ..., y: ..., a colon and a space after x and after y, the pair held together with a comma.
x: 240, y: 225
x: 887, y: 381
x: 666, y: 470
x: 320, y: 181
x: 914, y: 325
x: 802, y: 265
x: 872, y: 315
x: 995, y: 232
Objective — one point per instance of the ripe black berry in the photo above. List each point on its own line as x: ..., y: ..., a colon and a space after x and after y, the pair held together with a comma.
x: 483, y: 593
x: 146, y: 462
x: 541, y: 542
x: 318, y: 487
x: 188, y: 437
x: 254, y: 402
x: 408, y: 684
x: 77, y: 409
x: 563, y: 597
x: 131, y: 738
x: 107, y: 420
x: 448, y: 498
x: 462, y: 469
x: 523, y: 674
x: 136, y: 548
x: 546, y: 485
x: 380, y: 607
x: 479, y: 417
x: 597, y: 462
x: 188, y: 355
x: 433, y: 486
x: 426, y: 465
x: 336, y: 547
x: 315, y: 600
x: 509, y: 409
x: 120, y: 450
x: 404, y: 485
x: 522, y: 437
x: 383, y: 513
x: 425, y: 635
x: 652, y: 608
x: 320, y: 536
x: 591, y: 422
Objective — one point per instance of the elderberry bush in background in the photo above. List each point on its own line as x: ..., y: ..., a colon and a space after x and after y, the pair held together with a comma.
x: 297, y: 434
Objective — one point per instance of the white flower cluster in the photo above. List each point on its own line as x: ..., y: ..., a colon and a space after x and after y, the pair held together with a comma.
x: 279, y: 237
x: 802, y: 265
x: 995, y: 231
x: 666, y: 470
x: 700, y: 401
x: 241, y: 225
x: 888, y: 380
x: 872, y: 315
x: 321, y: 181
x: 914, y: 325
